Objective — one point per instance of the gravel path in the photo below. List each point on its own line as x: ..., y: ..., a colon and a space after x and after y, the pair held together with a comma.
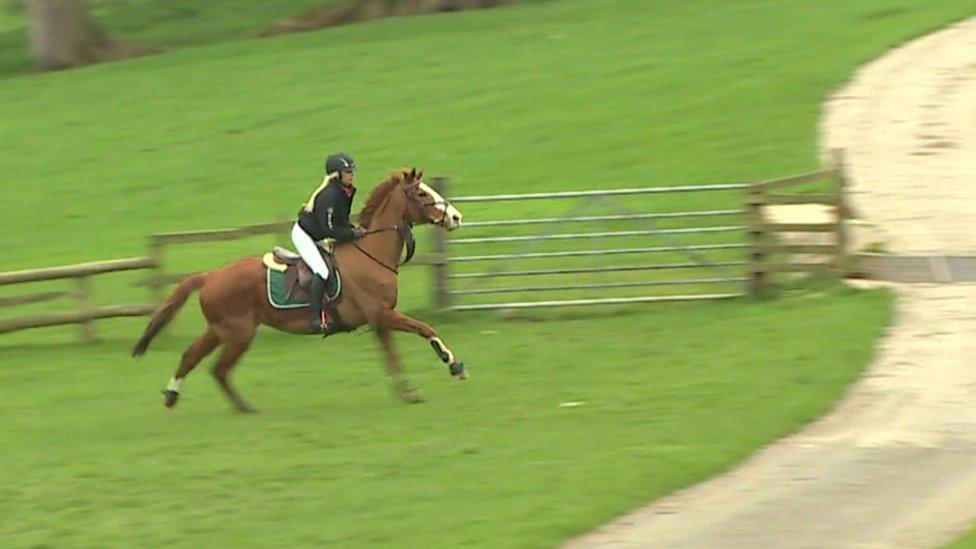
x: 894, y: 465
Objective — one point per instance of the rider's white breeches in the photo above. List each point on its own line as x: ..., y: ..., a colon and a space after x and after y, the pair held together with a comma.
x: 309, y: 251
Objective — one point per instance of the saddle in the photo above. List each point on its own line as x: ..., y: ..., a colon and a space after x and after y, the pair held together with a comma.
x: 297, y: 279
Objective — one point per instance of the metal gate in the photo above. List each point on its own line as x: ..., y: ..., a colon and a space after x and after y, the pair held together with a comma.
x: 654, y: 244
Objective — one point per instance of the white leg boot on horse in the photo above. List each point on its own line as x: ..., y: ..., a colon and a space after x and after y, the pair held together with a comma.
x: 202, y: 347
x: 395, y: 320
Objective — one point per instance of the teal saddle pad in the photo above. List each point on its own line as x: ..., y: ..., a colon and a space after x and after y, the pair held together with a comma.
x: 278, y: 291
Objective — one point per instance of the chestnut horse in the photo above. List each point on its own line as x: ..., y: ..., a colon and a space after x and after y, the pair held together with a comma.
x: 234, y: 298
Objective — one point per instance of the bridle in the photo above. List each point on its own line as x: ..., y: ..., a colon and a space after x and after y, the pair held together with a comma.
x: 435, y: 202
x: 406, y: 229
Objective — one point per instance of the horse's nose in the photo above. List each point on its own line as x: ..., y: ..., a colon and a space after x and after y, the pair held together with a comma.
x: 457, y: 219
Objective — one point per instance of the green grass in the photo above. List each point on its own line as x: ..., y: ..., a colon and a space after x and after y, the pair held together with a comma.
x: 170, y: 23
x: 10, y: 18
x: 966, y: 542
x: 668, y: 397
x: 557, y: 95
x: 236, y: 133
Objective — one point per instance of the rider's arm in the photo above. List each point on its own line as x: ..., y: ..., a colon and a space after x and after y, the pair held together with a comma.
x: 338, y: 223
x: 335, y: 209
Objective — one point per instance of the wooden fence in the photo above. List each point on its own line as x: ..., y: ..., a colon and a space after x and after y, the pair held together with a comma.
x: 765, y: 243
x: 158, y: 243
x: 82, y: 293
x: 767, y: 240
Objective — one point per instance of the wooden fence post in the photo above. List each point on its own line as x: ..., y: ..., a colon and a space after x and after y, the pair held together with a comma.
x: 83, y: 296
x: 282, y: 235
x: 841, y: 211
x: 440, y: 290
x: 757, y: 255
x: 156, y: 286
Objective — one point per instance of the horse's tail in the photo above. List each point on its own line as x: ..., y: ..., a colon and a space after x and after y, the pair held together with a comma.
x: 167, y: 310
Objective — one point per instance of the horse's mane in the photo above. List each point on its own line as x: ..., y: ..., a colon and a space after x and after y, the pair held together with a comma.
x: 379, y: 195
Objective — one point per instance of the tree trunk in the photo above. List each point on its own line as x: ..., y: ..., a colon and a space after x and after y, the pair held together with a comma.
x: 63, y: 36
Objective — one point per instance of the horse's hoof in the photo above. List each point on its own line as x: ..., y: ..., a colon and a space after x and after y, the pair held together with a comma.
x: 170, y: 398
x: 458, y: 371
x: 412, y: 396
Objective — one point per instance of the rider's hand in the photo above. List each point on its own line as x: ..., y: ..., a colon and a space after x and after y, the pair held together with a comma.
x: 358, y: 232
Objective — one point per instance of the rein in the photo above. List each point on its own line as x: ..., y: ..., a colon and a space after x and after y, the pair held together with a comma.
x: 405, y: 232
x: 384, y: 229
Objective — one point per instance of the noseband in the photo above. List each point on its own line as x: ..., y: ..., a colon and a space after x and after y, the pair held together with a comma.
x: 422, y: 205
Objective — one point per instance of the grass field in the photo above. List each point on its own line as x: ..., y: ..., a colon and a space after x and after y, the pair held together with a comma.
x: 668, y: 397
x: 169, y: 24
x: 190, y: 139
x: 966, y: 542
x: 547, y: 96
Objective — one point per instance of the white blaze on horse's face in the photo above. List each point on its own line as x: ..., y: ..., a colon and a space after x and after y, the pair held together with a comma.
x: 451, y: 216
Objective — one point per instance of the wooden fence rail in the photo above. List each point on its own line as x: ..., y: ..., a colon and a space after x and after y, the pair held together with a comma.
x: 765, y: 238
x: 75, y: 271
x: 160, y: 279
x: 86, y: 313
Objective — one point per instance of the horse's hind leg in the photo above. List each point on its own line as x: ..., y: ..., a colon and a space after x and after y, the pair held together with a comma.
x: 235, y: 345
x: 203, y: 346
x: 400, y: 384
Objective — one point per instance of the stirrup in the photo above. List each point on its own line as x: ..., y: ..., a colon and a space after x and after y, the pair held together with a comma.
x: 319, y: 325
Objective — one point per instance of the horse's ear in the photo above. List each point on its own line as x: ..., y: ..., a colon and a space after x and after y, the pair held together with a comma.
x: 420, y: 175
x: 413, y: 174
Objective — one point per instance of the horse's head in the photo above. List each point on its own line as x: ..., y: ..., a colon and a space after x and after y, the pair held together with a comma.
x: 425, y: 205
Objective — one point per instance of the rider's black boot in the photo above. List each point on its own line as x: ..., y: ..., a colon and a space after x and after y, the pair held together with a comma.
x: 317, y: 291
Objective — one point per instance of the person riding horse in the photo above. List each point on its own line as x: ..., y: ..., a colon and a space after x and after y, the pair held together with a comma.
x: 326, y: 216
x: 235, y: 299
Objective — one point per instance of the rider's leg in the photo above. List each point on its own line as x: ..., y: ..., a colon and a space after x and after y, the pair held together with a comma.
x: 313, y: 258
x: 317, y: 291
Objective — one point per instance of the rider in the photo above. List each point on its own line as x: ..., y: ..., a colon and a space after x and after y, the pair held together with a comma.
x: 326, y: 216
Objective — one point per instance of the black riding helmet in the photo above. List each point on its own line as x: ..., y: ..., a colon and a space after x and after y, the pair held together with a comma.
x: 340, y: 162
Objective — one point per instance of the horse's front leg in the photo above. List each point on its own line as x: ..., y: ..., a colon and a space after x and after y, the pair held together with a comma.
x: 400, y: 384
x: 395, y: 320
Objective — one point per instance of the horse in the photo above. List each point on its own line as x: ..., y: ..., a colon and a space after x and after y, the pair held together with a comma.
x: 234, y: 299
